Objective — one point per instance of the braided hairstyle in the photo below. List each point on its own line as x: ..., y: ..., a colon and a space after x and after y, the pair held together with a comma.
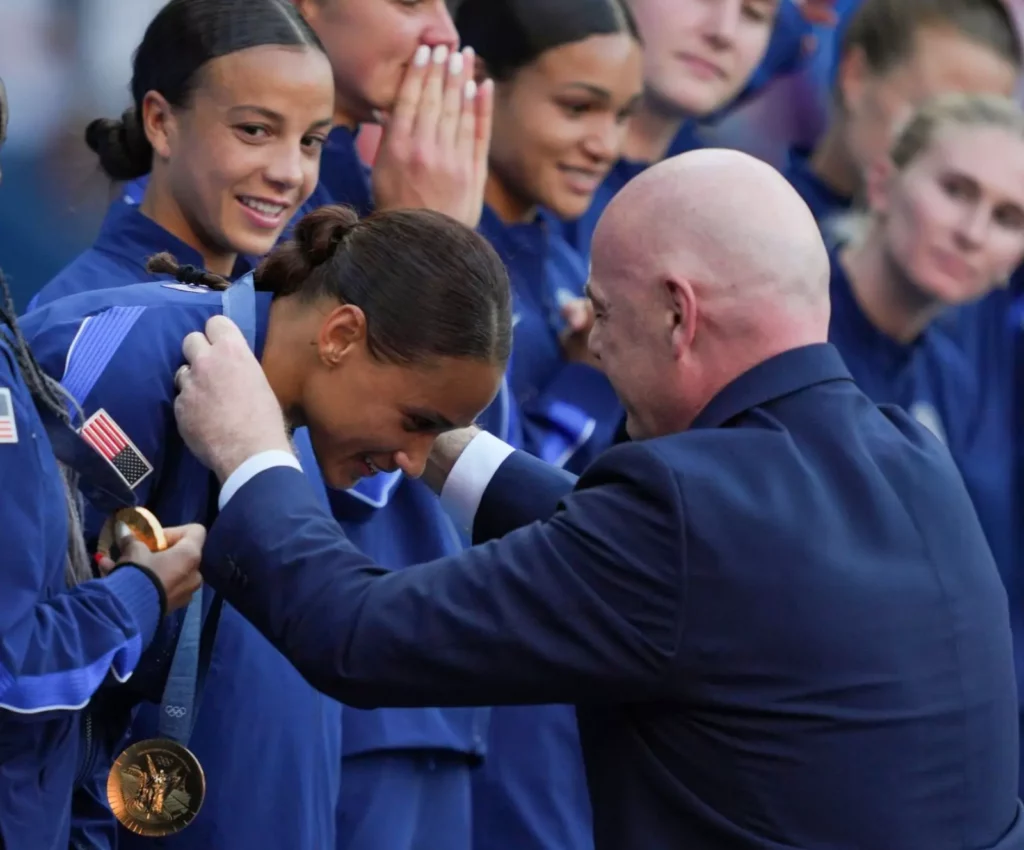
x: 164, y: 263
x: 48, y: 393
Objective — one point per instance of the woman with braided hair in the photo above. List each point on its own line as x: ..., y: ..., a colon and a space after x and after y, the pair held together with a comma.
x: 62, y: 629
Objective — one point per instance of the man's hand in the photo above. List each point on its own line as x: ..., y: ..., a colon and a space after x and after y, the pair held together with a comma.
x: 433, y: 151
x: 225, y: 408
x: 448, y: 448
x: 177, y: 566
x: 579, y: 319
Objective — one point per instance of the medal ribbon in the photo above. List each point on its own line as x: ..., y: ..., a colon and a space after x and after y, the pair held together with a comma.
x: 192, y: 655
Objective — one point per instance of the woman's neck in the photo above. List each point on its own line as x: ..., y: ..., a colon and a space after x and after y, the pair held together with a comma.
x: 282, y: 359
x: 892, y: 302
x: 651, y: 131
x: 832, y: 164
x: 158, y: 205
x: 509, y: 206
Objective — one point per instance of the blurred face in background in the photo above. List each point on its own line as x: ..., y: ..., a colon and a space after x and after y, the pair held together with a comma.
x: 559, y: 125
x: 699, y: 54
x: 941, y: 61
x: 371, y: 43
x: 244, y: 154
x: 952, y: 221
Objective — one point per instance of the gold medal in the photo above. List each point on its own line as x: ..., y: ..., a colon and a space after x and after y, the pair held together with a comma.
x: 143, y: 525
x: 156, y: 787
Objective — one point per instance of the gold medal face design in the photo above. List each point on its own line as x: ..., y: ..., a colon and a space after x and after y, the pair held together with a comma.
x: 156, y: 787
x: 144, y: 526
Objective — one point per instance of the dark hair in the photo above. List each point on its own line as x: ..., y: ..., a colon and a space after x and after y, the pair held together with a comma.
x: 179, y: 41
x: 510, y: 34
x: 886, y: 30
x: 428, y: 285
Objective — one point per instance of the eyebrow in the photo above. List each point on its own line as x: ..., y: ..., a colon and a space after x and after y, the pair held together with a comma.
x: 597, y: 91
x: 276, y: 117
x: 269, y: 114
x: 430, y: 417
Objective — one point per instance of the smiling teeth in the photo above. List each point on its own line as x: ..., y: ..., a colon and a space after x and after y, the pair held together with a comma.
x: 263, y: 206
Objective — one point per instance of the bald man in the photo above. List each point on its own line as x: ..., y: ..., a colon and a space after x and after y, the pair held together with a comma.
x: 775, y: 611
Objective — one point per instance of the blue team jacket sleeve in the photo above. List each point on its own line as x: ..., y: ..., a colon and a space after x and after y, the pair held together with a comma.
x: 584, y: 607
x: 574, y: 419
x: 56, y: 646
x: 118, y: 361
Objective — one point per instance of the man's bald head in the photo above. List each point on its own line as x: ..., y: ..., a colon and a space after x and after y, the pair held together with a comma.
x: 718, y: 245
x: 725, y: 220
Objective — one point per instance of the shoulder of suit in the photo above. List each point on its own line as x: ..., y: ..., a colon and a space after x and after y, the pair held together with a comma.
x: 648, y: 463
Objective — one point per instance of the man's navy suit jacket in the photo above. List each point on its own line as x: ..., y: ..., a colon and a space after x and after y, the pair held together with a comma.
x: 782, y: 628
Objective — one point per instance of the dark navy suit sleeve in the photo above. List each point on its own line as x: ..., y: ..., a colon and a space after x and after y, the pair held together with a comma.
x: 586, y: 606
x: 506, y: 506
x: 56, y: 648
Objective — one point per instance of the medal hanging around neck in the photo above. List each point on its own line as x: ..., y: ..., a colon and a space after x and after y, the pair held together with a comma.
x: 157, y: 786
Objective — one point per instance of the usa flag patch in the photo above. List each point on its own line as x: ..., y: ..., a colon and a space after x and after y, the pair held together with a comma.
x: 105, y: 435
x: 8, y: 427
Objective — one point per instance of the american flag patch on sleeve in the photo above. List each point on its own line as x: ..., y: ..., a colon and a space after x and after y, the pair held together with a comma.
x: 8, y: 427
x: 105, y: 435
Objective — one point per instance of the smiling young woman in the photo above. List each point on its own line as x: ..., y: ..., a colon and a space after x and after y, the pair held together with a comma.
x: 232, y: 101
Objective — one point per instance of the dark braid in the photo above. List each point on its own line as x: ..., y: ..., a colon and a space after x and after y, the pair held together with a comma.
x: 46, y: 391
x: 165, y: 263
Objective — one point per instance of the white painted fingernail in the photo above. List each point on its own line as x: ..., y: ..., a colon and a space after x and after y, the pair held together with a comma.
x: 455, y: 64
x: 422, y: 56
x: 470, y: 92
x: 441, y: 54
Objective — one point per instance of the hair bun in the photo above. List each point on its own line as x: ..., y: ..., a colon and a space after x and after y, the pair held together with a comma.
x: 122, y: 146
x: 321, y: 232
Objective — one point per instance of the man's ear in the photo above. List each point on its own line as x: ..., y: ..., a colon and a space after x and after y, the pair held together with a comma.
x: 682, y: 302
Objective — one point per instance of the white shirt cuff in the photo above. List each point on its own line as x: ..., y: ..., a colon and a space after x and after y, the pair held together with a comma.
x: 253, y: 467
x: 472, y: 472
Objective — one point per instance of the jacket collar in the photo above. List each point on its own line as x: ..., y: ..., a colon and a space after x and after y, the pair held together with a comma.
x: 782, y: 375
x: 129, y: 234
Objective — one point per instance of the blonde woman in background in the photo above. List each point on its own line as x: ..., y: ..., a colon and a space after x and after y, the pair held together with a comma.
x: 943, y: 226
